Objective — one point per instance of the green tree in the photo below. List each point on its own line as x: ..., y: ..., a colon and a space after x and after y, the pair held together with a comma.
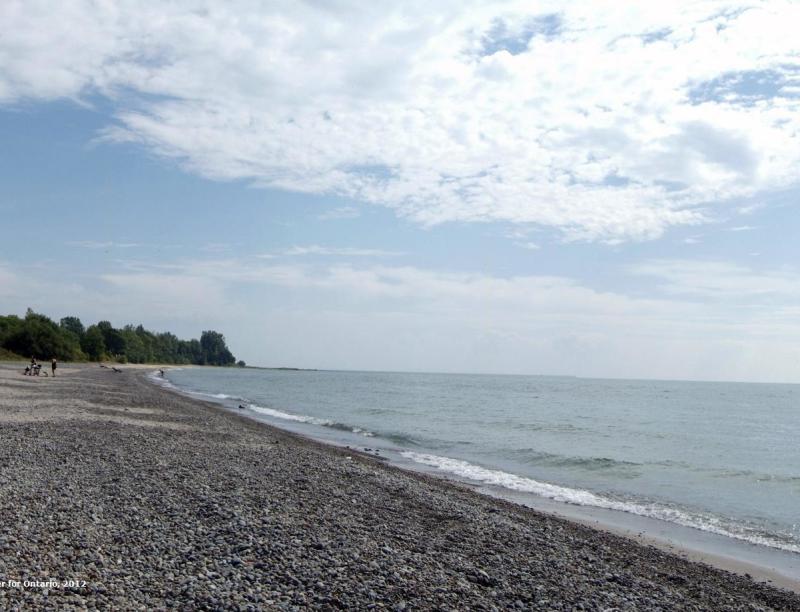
x: 8, y: 325
x: 148, y: 341
x: 37, y: 335
x: 93, y: 344
x: 166, y: 348
x: 214, y: 349
x: 135, y: 350
x: 74, y: 325
x: 40, y: 337
x: 113, y: 339
x: 190, y: 351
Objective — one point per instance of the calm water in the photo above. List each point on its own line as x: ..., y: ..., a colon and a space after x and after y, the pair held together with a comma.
x: 721, y: 457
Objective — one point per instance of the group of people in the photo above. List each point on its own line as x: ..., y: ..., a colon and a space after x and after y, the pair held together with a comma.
x: 34, y: 369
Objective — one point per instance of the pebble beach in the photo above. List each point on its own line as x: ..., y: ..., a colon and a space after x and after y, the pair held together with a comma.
x: 118, y: 494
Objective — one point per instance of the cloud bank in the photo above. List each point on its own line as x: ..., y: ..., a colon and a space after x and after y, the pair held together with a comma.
x: 605, y: 121
x: 368, y: 316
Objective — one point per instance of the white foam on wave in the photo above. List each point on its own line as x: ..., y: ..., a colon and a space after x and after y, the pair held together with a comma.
x: 156, y: 377
x: 224, y: 396
x: 302, y: 418
x: 703, y: 522
x: 299, y: 418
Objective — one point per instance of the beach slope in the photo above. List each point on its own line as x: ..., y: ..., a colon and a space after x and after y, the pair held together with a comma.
x: 118, y: 494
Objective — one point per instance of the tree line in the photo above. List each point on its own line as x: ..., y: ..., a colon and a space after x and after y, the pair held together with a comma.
x: 68, y: 340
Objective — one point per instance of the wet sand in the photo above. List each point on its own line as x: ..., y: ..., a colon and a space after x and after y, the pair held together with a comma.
x: 116, y: 493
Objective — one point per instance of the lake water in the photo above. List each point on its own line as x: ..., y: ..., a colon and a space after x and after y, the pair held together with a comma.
x: 717, y: 457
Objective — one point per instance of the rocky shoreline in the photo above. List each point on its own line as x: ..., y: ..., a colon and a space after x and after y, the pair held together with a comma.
x: 115, y: 493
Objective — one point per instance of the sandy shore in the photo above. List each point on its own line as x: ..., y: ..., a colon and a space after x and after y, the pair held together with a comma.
x: 149, y: 500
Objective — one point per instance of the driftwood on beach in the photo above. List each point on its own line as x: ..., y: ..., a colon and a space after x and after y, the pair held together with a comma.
x: 119, y: 494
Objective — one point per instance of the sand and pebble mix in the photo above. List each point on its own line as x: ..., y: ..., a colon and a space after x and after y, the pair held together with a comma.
x: 118, y: 494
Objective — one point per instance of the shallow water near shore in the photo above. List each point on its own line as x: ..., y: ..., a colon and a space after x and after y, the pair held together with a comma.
x: 719, y: 458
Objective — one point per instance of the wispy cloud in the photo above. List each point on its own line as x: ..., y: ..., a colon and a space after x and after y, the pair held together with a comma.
x: 446, y: 289
x: 606, y: 124
x: 343, y: 212
x: 314, y: 249
x: 94, y: 244
x: 722, y: 280
x: 749, y: 209
x: 216, y: 247
x: 742, y: 228
x: 711, y: 319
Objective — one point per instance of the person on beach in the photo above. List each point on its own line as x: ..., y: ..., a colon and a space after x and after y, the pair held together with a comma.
x: 53, y: 366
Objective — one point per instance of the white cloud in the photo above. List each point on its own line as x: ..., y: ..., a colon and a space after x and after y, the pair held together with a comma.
x: 216, y: 247
x: 714, y: 320
x: 750, y: 208
x: 32, y: 285
x: 723, y: 281
x: 315, y: 249
x: 342, y: 212
x: 164, y: 298
x: 606, y: 121
x: 323, y: 251
x: 11, y: 283
x: 159, y: 295
x: 95, y: 244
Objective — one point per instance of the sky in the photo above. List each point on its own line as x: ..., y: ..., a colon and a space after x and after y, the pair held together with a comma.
x: 605, y: 189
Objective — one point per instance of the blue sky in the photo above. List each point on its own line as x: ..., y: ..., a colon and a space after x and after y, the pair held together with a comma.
x: 482, y: 187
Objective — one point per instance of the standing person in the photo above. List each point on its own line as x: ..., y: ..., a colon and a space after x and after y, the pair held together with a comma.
x: 53, y: 366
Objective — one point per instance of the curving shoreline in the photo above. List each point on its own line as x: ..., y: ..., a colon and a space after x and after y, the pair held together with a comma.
x: 158, y: 500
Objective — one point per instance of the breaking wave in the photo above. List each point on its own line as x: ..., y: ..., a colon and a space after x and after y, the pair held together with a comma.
x: 302, y: 418
x: 580, y: 497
